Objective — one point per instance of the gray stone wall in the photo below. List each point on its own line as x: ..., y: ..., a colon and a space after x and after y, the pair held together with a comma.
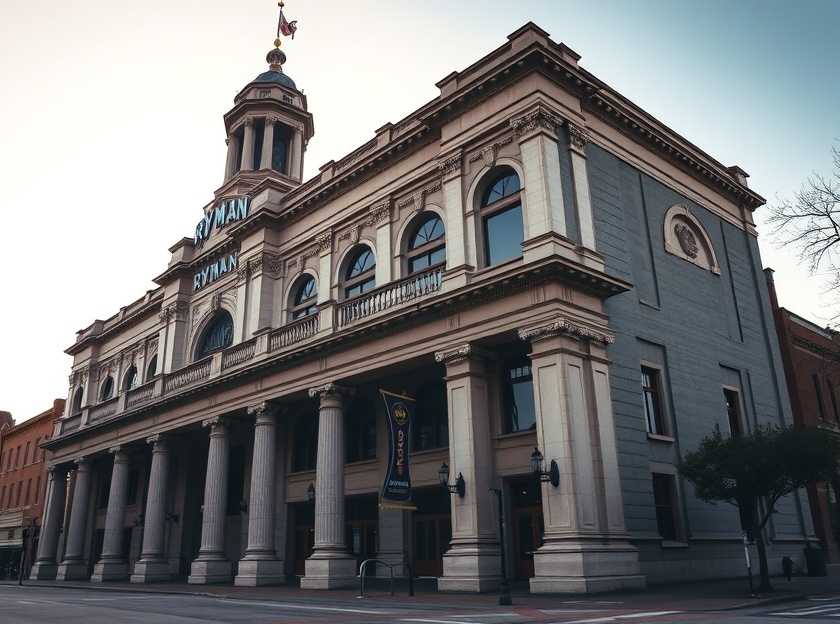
x: 705, y: 331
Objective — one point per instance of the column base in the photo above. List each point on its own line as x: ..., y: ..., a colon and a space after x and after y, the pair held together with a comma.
x: 151, y: 571
x: 43, y: 571
x: 110, y: 570
x: 210, y: 571
x: 579, y: 567
x: 471, y: 568
x: 72, y: 571
x: 254, y: 572
x: 329, y: 572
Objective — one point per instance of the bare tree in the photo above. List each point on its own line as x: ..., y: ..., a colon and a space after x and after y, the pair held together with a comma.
x: 811, y: 223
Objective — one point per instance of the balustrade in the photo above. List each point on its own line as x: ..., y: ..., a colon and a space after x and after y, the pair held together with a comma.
x: 293, y: 332
x: 103, y: 410
x: 188, y: 375
x: 389, y: 296
x: 238, y: 354
x: 139, y: 395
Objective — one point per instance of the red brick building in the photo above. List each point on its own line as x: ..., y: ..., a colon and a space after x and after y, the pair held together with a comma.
x: 811, y: 356
x: 23, y: 480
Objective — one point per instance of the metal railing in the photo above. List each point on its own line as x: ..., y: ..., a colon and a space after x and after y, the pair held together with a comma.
x: 390, y: 567
x: 390, y: 296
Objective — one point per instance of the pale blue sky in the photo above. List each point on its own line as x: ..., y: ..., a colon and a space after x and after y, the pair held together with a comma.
x: 114, y: 138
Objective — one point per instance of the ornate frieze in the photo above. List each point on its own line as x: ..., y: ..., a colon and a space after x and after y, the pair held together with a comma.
x: 537, y: 119
x: 450, y: 165
x: 323, y: 242
x: 449, y: 356
x: 379, y: 213
x: 578, y: 136
x: 565, y: 327
x: 353, y: 233
x: 265, y: 263
x: 489, y: 153
x: 177, y: 311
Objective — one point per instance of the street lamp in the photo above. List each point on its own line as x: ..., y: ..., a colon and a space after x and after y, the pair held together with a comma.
x: 459, y: 487
x: 552, y: 475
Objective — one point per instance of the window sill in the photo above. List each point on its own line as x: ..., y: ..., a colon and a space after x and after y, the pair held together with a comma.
x: 673, y: 544
x: 656, y: 437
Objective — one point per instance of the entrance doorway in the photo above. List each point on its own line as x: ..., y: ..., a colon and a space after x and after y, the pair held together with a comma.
x: 361, y: 524
x: 303, y: 534
x: 432, y: 530
x: 527, y: 521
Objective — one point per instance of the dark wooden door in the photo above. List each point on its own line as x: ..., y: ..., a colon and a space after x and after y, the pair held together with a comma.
x: 527, y: 537
x: 432, y: 534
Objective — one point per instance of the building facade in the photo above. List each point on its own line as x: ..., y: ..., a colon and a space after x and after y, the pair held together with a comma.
x: 811, y: 356
x: 23, y: 482
x: 550, y: 271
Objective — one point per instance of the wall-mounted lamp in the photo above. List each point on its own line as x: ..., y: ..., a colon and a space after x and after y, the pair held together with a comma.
x: 172, y: 517
x: 552, y: 475
x: 459, y: 487
x: 310, y: 493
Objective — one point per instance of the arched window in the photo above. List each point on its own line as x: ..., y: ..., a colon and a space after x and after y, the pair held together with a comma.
x: 501, y: 218
x: 360, y: 276
x: 427, y: 246
x: 107, y: 389
x: 130, y: 379
x: 77, y: 400
x: 305, y: 297
x: 217, y: 335
x: 151, y: 369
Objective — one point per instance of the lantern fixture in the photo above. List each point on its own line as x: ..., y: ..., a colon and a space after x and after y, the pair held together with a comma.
x: 459, y: 487
x: 310, y: 493
x: 552, y: 475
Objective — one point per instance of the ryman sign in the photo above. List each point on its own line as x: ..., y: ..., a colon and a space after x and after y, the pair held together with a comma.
x: 227, y: 211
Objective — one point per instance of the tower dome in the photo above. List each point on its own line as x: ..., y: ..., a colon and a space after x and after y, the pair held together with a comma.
x: 275, y: 59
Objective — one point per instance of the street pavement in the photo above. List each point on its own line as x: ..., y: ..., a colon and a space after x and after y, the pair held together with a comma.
x: 57, y: 604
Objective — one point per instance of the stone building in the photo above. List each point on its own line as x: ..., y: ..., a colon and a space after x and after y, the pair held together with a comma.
x: 542, y: 264
x: 811, y: 356
x: 23, y: 482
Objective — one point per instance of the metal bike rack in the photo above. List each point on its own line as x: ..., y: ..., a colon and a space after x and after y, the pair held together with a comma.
x: 362, y: 575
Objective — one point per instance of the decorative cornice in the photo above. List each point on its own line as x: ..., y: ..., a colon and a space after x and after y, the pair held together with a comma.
x: 456, y: 354
x: 323, y: 242
x: 451, y: 165
x: 538, y: 119
x: 565, y: 327
x: 379, y: 213
x: 578, y: 137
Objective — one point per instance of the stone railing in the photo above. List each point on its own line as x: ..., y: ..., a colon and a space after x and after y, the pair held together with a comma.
x: 238, y: 354
x: 389, y: 296
x: 140, y: 395
x: 188, y: 375
x: 293, y: 332
x: 103, y: 410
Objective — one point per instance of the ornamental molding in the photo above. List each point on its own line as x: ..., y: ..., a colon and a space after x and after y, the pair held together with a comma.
x: 152, y: 346
x: 215, y: 422
x: 538, y: 119
x: 265, y: 262
x: 456, y: 354
x: 417, y: 199
x: 578, y: 136
x: 177, y: 311
x: 259, y: 409
x: 159, y: 441
x: 354, y: 233
x: 566, y: 327
x: 329, y: 390
x: 450, y: 165
x: 323, y: 242
x: 489, y: 153
x: 379, y: 213
x: 686, y: 238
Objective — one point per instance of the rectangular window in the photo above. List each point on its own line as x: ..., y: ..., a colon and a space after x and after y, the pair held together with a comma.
x: 733, y: 411
x: 818, y: 394
x: 37, y: 489
x: 17, y: 457
x: 503, y: 235
x: 28, y: 492
x: 665, y: 498
x: 833, y: 395
x: 19, y: 488
x: 304, y: 453
x: 518, y: 391
x: 652, y: 399
x: 360, y: 433
x: 26, y: 453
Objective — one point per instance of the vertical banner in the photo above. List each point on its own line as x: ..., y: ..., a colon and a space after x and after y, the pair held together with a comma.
x: 396, y: 490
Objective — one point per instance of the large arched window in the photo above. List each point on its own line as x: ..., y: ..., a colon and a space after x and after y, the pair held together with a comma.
x: 77, y: 400
x: 217, y: 335
x: 501, y: 217
x: 130, y: 379
x: 151, y: 369
x: 304, y: 297
x: 360, y: 275
x: 427, y: 245
x: 106, y: 390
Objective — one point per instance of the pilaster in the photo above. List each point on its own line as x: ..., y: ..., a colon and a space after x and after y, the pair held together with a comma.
x: 460, y: 227
x: 248, y: 145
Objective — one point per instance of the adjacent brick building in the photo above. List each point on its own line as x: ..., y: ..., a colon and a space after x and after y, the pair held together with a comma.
x: 23, y: 479
x: 811, y: 356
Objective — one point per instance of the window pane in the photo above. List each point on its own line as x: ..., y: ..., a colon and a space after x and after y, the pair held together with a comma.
x: 418, y: 263
x: 503, y: 235
x: 429, y: 230
x: 361, y: 262
x: 279, y: 148
x: 663, y: 497
x: 519, y: 398
x: 306, y: 290
x: 652, y: 399
x: 733, y: 411
x: 506, y: 185
x: 218, y: 335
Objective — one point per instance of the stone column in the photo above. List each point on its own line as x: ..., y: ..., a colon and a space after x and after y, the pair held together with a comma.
x: 578, y: 138
x: 330, y: 566
x: 294, y: 161
x: 472, y: 562
x: 260, y: 565
x: 212, y: 566
x: 113, y: 566
x: 460, y: 224
x: 232, y: 152
x: 585, y: 548
x: 153, y: 564
x: 248, y: 146
x: 268, y: 143
x: 380, y: 216
x: 543, y: 211
x: 74, y: 566
x: 45, y: 567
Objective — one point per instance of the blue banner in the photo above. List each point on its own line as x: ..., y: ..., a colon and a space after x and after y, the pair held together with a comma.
x: 399, y: 411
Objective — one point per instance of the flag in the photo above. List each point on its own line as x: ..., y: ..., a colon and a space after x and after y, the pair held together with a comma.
x: 285, y: 27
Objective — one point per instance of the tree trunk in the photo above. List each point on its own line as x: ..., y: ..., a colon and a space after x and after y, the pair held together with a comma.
x: 764, y: 570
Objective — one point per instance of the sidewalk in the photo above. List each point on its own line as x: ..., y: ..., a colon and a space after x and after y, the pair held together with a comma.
x: 719, y: 595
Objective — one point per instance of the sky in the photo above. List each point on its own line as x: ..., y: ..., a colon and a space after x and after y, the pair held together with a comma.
x: 113, y: 137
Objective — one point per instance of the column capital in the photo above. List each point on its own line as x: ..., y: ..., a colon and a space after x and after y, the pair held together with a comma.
x: 159, y: 440
x: 215, y: 423
x: 227, y: 141
x: 562, y: 326
x: 450, y: 165
x: 538, y: 119
x: 82, y: 463
x: 56, y: 469
x: 248, y: 121
x: 578, y: 136
x: 330, y: 391
x: 455, y: 354
x: 264, y: 413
